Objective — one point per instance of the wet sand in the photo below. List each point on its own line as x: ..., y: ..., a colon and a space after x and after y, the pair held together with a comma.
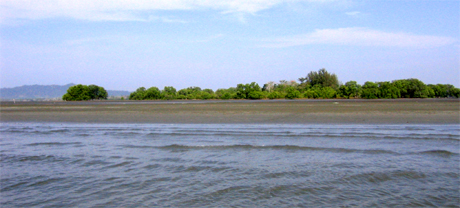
x: 415, y: 111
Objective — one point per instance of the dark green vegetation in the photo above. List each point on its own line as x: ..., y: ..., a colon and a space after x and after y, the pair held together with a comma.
x: 84, y: 92
x: 316, y: 85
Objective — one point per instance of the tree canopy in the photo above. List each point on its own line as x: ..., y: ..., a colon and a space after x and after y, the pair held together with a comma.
x: 321, y: 78
x: 84, y: 92
x: 316, y: 85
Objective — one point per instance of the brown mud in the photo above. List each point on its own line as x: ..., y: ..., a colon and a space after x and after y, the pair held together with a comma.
x: 400, y: 111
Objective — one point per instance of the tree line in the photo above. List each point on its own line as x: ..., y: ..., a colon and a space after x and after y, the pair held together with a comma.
x: 316, y: 85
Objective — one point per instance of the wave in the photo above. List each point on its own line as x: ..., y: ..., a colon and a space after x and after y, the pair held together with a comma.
x: 442, y: 153
x: 53, y: 144
x: 95, y: 163
x: 46, y: 182
x: 119, y: 165
x: 425, y: 132
x: 179, y: 147
x: 139, y: 146
x: 379, y: 177
x: 51, y: 131
x: 267, y: 147
x: 27, y: 158
x: 122, y: 133
x: 306, y: 135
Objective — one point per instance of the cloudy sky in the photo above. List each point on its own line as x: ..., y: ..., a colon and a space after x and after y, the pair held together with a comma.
x: 126, y: 44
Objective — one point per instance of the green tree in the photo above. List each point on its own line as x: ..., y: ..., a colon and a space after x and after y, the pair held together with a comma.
x: 310, y: 93
x: 431, y: 93
x: 102, y: 93
x: 438, y: 90
x: 83, y: 92
x: 342, y: 92
x: 243, y: 91
x: 192, y: 97
x: 274, y: 95
x: 443, y: 90
x: 353, y: 89
x: 411, y: 88
x: 321, y: 78
x: 256, y: 95
x: 210, y: 91
x: 206, y: 95
x: 455, y: 92
x: 370, y: 90
x: 226, y: 94
x: 327, y: 92
x: 281, y: 87
x: 77, y: 93
x: 292, y: 93
x: 152, y: 93
x: 138, y: 94
x: 320, y: 92
x: 189, y: 91
x: 168, y: 93
x: 97, y: 92
x: 388, y: 90
x: 210, y: 94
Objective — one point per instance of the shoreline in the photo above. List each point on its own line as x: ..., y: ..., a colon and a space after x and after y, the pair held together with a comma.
x: 335, y: 111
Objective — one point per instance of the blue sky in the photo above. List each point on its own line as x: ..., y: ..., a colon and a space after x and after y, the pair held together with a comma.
x: 126, y: 44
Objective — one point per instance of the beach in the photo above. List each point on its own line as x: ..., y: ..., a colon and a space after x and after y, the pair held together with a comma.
x: 339, y: 111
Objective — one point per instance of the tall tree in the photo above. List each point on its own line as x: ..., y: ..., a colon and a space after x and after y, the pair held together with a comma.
x: 321, y: 78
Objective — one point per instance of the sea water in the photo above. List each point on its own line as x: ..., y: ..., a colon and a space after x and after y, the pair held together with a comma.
x: 228, y: 165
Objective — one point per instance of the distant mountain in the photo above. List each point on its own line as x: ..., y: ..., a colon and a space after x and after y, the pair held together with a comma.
x: 44, y: 92
x: 118, y: 93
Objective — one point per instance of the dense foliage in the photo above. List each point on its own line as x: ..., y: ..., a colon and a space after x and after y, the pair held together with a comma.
x: 322, y: 78
x: 316, y: 85
x: 84, y: 92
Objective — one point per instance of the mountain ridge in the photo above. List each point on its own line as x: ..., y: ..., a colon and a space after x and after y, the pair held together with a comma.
x: 45, y: 92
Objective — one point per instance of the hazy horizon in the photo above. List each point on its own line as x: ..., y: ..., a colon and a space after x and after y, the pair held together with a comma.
x: 25, y: 85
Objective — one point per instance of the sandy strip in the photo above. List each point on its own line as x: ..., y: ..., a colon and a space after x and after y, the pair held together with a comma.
x: 415, y: 111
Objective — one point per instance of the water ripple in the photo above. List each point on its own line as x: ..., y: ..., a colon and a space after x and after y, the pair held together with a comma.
x: 207, y: 165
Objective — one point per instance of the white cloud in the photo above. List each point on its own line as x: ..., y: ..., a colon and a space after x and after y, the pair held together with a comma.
x: 353, y: 13
x: 125, y: 10
x: 361, y: 37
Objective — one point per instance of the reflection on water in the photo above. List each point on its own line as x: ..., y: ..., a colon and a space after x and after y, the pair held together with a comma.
x: 222, y: 165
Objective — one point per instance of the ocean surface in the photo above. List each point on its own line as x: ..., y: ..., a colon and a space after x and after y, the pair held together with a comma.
x: 228, y: 165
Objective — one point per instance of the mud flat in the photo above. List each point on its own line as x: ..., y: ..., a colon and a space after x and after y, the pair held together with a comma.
x: 422, y: 111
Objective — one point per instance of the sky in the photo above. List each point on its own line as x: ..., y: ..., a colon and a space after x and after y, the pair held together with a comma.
x: 127, y: 44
